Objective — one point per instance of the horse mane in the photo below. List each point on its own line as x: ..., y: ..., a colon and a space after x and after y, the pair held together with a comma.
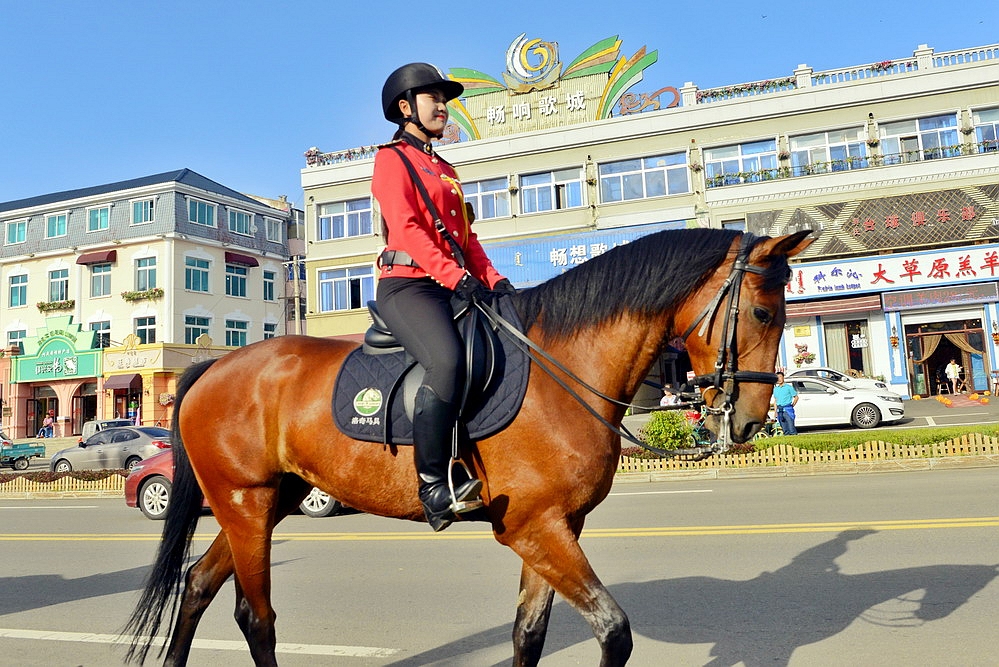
x: 650, y: 275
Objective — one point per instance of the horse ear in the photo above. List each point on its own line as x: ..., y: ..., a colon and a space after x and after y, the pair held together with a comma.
x: 791, y: 244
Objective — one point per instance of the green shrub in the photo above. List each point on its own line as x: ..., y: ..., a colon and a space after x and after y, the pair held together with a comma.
x: 667, y: 429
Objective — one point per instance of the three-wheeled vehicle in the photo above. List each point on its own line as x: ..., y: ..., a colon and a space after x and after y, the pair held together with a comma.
x: 18, y: 456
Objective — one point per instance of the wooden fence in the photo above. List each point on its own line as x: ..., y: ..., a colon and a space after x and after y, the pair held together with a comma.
x: 973, y: 444
x: 779, y: 459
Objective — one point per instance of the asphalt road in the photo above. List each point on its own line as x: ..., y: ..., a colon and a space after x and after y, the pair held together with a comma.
x: 894, y: 569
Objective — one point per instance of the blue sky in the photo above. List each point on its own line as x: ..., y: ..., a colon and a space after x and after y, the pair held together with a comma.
x: 96, y: 92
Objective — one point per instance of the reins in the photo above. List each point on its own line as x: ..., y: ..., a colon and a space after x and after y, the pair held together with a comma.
x: 723, y: 379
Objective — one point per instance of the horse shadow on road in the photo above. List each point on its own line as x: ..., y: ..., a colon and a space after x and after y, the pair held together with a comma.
x: 762, y: 621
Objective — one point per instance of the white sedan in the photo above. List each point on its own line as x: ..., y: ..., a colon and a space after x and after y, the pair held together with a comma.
x: 826, y: 403
x: 839, y: 377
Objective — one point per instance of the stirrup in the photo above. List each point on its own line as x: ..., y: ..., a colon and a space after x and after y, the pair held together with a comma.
x: 460, y: 506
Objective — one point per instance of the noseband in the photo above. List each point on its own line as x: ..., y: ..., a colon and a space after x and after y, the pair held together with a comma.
x: 727, y: 374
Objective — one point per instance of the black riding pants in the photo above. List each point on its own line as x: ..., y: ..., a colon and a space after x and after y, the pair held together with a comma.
x: 419, y: 313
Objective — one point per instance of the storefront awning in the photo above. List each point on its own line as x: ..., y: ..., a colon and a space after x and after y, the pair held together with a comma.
x: 855, y: 304
x: 99, y: 257
x: 236, y: 258
x: 123, y: 381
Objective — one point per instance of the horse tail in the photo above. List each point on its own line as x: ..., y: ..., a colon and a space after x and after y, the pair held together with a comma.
x: 162, y: 588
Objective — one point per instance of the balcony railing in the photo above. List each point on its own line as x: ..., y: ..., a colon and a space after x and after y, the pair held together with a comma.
x: 852, y: 163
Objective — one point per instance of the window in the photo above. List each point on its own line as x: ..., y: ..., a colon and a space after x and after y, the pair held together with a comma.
x: 142, y: 211
x: 273, y: 229
x: 201, y: 212
x: 269, y: 280
x: 239, y: 222
x: 18, y: 290
x: 920, y: 139
x: 837, y: 150
x: 552, y: 191
x: 55, y: 225
x: 346, y: 289
x: 98, y: 219
x: 195, y: 274
x: 193, y: 328
x: 490, y: 199
x: 644, y: 177
x: 145, y: 273
x: 986, y: 128
x: 59, y: 285
x: 100, y: 280
x: 344, y: 219
x: 145, y: 329
x: 15, y: 337
x: 102, y: 338
x: 270, y: 330
x: 235, y: 333
x: 17, y: 231
x: 742, y: 163
x: 235, y: 280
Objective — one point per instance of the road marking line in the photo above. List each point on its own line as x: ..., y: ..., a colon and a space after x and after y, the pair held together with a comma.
x: 50, y: 507
x: 657, y: 493
x: 929, y: 421
x: 654, y: 531
x: 211, y: 644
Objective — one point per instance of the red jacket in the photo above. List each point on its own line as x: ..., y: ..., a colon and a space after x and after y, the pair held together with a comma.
x: 411, y: 226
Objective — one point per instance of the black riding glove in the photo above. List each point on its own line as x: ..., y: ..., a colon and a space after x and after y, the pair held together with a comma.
x: 504, y: 286
x: 471, y: 289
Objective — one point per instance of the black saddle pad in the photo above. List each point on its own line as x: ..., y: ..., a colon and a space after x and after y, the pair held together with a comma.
x: 370, y: 394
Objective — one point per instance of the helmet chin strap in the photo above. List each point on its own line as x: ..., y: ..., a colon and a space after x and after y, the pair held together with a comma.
x: 414, y: 117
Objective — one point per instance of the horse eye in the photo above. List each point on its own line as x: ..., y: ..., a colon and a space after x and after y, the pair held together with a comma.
x: 762, y: 315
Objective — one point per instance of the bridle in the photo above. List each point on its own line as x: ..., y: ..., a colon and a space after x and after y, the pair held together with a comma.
x: 726, y: 375
x: 724, y: 379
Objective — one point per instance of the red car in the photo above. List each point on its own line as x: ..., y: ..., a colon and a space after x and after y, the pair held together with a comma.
x: 148, y: 488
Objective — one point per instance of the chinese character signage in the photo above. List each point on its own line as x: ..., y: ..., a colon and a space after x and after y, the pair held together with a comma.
x: 528, y: 262
x: 933, y: 268
x: 59, y: 350
x: 908, y: 221
x: 538, y: 91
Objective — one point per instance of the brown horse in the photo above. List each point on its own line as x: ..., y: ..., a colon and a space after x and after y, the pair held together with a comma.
x: 606, y: 321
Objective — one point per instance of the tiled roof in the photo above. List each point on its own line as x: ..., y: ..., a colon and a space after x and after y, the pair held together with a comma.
x: 185, y: 176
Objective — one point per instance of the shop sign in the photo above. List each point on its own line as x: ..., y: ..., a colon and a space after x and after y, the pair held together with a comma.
x: 58, y: 350
x: 539, y: 91
x: 886, y: 273
x: 532, y: 261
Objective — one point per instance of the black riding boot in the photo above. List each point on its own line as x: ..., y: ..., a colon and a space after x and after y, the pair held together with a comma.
x: 433, y: 425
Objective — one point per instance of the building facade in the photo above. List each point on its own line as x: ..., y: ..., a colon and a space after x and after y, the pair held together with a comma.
x: 110, y: 292
x: 894, y: 166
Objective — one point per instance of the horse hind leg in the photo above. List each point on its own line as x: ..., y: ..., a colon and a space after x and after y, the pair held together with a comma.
x: 534, y: 608
x: 203, y: 582
x: 205, y: 578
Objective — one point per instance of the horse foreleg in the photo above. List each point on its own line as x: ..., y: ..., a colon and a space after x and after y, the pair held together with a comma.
x: 551, y: 548
x: 202, y: 584
x: 534, y: 607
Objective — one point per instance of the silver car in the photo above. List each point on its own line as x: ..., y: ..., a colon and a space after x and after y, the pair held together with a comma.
x: 112, y: 448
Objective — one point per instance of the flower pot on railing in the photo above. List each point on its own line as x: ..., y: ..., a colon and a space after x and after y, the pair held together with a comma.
x: 154, y: 293
x: 49, y: 306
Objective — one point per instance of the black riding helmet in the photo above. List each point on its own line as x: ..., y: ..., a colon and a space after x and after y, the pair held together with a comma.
x: 406, y: 82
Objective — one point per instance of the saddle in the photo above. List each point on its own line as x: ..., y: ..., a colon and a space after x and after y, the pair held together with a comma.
x: 375, y: 390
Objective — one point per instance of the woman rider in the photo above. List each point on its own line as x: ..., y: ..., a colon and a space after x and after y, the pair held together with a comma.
x: 420, y: 273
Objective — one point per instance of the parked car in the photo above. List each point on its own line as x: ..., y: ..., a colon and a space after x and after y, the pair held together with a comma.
x: 112, y: 448
x: 93, y: 426
x: 844, y: 379
x: 827, y: 403
x: 149, y: 483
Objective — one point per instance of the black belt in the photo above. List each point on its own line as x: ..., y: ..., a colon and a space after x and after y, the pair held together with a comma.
x: 396, y: 257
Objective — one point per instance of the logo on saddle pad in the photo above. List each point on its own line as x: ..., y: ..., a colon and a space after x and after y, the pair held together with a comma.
x: 367, y: 402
